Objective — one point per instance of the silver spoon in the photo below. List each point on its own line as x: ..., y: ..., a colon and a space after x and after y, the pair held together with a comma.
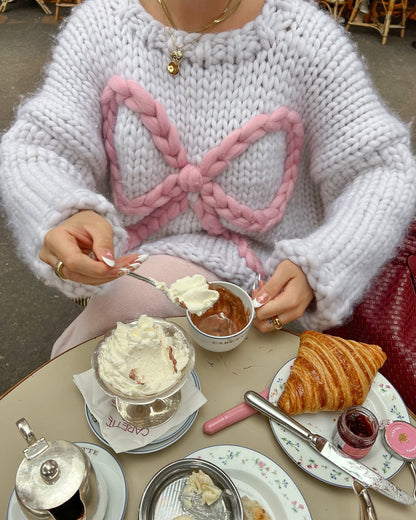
x: 367, y: 511
x: 197, y: 301
x: 158, y: 285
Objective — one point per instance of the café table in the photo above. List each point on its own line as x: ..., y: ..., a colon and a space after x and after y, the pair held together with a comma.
x: 54, y: 408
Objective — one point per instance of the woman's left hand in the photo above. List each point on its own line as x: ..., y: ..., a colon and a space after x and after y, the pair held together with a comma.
x: 285, y: 296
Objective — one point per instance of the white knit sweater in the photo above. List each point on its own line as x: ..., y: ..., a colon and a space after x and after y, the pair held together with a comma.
x: 248, y: 204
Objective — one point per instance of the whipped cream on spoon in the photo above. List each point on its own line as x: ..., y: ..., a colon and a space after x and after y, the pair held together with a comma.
x: 190, y: 292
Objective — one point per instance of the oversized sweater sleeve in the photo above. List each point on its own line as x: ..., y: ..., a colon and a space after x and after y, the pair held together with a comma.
x: 52, y: 160
x: 361, y: 163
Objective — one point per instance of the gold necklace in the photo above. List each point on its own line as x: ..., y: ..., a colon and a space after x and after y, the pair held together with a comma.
x: 176, y: 55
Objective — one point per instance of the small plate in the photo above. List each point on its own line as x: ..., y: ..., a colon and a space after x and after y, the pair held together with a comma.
x: 107, y: 467
x: 169, y: 438
x: 259, y: 478
x: 382, y: 399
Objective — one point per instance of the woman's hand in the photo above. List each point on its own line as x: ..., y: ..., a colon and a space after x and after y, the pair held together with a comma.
x: 84, y: 244
x: 286, y: 296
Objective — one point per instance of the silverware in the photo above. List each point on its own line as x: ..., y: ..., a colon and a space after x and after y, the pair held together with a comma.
x: 367, y: 511
x: 158, y: 285
x: 150, y: 281
x: 354, y: 468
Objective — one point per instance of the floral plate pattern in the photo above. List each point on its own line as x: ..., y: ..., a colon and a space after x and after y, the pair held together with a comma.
x: 382, y: 399
x: 259, y: 478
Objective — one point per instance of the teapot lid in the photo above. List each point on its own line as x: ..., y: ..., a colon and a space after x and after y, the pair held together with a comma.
x: 51, y: 472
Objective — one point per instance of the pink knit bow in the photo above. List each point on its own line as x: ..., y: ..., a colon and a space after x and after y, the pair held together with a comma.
x: 169, y: 199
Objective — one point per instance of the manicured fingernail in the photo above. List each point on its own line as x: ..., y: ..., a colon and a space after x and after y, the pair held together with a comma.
x: 261, y: 298
x: 124, y: 270
x: 138, y: 262
x: 257, y: 304
x: 141, y: 258
x: 108, y: 260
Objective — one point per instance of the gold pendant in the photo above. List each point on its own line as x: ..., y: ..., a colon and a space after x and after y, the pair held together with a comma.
x: 173, y: 67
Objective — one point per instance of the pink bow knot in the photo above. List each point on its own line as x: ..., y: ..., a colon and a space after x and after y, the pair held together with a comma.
x: 190, y: 179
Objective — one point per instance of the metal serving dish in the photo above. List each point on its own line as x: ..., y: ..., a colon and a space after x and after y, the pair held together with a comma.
x: 161, y: 498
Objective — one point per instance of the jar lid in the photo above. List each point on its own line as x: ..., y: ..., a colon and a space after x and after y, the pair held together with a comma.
x: 401, y: 438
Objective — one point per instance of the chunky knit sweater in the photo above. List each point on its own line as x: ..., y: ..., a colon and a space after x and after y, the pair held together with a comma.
x: 270, y: 143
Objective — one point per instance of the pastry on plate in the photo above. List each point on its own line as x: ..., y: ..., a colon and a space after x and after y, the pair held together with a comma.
x: 329, y: 373
x: 253, y: 510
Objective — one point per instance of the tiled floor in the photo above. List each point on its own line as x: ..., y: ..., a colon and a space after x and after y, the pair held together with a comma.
x: 32, y: 315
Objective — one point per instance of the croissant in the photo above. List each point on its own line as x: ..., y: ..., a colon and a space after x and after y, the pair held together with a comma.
x: 330, y: 373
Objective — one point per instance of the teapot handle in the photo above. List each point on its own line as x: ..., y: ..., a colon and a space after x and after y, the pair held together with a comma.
x: 26, y: 431
x: 35, y: 446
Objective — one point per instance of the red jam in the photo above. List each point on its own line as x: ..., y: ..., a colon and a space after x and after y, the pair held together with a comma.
x: 357, y: 430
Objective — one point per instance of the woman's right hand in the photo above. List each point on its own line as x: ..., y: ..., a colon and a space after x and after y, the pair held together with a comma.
x: 84, y: 244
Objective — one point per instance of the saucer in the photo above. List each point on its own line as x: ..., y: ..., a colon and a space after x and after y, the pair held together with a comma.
x: 164, y: 441
x: 110, y: 476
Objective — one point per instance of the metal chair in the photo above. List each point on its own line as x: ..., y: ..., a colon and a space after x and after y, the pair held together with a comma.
x: 380, y: 16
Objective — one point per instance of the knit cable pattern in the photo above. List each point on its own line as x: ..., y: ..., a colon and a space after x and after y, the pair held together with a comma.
x: 169, y: 198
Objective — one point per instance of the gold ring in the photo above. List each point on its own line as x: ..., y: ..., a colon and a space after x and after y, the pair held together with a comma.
x: 276, y: 323
x: 58, y: 270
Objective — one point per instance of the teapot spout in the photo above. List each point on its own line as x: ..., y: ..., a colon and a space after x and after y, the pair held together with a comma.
x: 72, y: 509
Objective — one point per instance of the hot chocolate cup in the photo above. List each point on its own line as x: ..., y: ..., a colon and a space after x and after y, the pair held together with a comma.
x: 226, y: 324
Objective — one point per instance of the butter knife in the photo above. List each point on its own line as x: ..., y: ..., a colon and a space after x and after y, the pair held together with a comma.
x: 356, y: 469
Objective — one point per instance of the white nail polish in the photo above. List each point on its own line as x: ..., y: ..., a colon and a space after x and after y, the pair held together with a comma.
x: 125, y: 270
x: 108, y: 261
x: 257, y: 304
x: 141, y: 258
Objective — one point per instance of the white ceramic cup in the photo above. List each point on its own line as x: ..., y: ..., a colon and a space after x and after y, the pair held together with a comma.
x: 223, y: 343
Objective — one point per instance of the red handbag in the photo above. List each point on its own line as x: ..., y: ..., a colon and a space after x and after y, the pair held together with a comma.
x: 387, y: 317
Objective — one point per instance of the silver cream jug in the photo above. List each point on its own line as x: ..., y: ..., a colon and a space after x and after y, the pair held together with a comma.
x: 55, y: 480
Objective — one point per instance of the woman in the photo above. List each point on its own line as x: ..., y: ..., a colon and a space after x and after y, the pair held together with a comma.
x: 241, y: 139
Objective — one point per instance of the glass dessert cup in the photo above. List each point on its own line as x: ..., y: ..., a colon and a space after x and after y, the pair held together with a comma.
x: 154, y: 409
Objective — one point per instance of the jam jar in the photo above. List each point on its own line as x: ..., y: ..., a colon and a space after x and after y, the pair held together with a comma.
x: 356, y: 431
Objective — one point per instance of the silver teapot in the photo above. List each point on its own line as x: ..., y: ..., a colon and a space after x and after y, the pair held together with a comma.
x: 55, y: 480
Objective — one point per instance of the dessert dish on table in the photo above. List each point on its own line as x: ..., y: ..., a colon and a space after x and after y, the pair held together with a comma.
x: 163, y: 436
x: 144, y: 367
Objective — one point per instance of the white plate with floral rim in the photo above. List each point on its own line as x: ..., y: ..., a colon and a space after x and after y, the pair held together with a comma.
x: 259, y: 478
x: 107, y: 468
x: 383, y: 400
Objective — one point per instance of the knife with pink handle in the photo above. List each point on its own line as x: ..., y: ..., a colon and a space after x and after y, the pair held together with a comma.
x: 233, y: 415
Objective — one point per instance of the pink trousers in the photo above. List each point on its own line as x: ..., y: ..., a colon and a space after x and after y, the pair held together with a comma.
x: 127, y: 299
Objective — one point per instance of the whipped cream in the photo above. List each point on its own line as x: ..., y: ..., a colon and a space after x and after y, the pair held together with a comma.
x: 139, y: 359
x: 192, y: 292
x: 200, y: 486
